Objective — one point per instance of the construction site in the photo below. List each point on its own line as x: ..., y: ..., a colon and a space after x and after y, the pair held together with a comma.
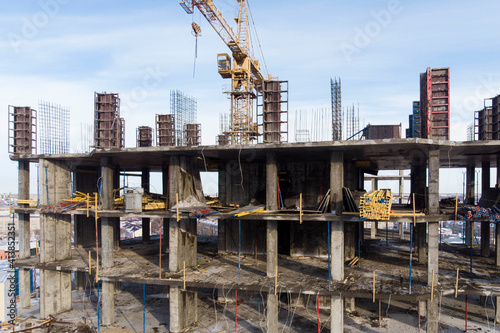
x: 303, y: 237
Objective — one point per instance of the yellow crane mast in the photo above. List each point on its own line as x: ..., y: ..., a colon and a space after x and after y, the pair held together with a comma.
x: 244, y: 71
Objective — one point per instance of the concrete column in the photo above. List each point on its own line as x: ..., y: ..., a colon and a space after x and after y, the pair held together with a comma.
x: 272, y: 247
x: 433, y: 245
x: 24, y: 234
x: 418, y: 185
x: 336, y: 181
x: 183, y: 308
x: 485, y: 239
x: 401, y: 185
x: 272, y: 312
x: 337, y: 271
x: 146, y: 222
x: 350, y: 304
x: 165, y: 233
x: 497, y: 246
x: 498, y: 171
x: 271, y: 204
x: 350, y: 241
x: 401, y: 230
x: 485, y: 176
x: 471, y: 185
x: 108, y: 226
x: 373, y: 230
x: 497, y: 309
x: 420, y: 242
x: 469, y: 233
x: 433, y: 265
x: 55, y: 234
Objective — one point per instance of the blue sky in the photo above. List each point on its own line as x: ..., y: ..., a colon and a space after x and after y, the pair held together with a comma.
x: 64, y: 50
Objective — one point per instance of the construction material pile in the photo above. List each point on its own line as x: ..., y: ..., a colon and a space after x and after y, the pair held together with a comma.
x: 80, y: 200
x: 468, y: 213
x: 376, y: 205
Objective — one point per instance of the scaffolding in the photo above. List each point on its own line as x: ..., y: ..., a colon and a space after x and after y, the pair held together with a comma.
x: 144, y: 135
x: 192, y: 134
x: 336, y: 89
x: 435, y: 103
x: 22, y: 130
x: 54, y: 126
x: 109, y: 128
x: 184, y: 109
x: 165, y: 130
x: 272, y: 115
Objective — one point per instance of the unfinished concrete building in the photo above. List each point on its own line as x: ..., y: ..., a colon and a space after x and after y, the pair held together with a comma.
x: 294, y: 227
x: 435, y: 103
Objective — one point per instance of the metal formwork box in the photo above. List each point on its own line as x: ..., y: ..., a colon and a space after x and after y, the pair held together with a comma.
x: 144, y: 136
x: 22, y: 130
x: 165, y: 130
x: 272, y: 108
x: 192, y: 134
x: 109, y: 128
x: 435, y: 103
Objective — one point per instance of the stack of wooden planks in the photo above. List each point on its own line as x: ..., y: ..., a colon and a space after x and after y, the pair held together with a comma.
x: 376, y: 205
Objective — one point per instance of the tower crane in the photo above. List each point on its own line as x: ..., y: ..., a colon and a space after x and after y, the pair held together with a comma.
x: 243, y: 70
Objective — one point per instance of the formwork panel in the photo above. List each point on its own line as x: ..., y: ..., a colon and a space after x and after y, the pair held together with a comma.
x: 144, y: 136
x: 109, y: 128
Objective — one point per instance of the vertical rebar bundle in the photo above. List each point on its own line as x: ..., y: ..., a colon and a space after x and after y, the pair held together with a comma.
x: 144, y: 136
x: 54, y: 128
x: 336, y: 89
x: 165, y: 130
x: 109, y: 128
x: 86, y: 137
x: 22, y: 130
x: 192, y: 134
x: 184, y: 109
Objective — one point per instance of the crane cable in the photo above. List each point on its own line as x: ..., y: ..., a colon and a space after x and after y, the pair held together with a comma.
x: 258, y: 41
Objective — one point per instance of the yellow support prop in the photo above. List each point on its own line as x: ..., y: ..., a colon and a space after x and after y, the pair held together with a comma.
x: 300, y: 208
x: 373, y: 286
x: 456, y: 284
x: 177, y: 207
x: 248, y: 213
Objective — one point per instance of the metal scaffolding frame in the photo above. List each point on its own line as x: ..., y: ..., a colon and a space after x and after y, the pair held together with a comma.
x: 54, y: 126
x: 165, y: 130
x: 109, y: 128
x: 86, y: 137
x: 144, y: 135
x: 184, y: 109
x: 22, y: 130
x: 336, y: 92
